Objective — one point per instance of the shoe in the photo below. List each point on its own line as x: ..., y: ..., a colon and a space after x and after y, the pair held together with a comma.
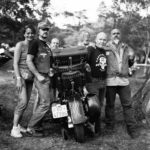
x: 22, y: 129
x: 134, y: 134
x: 15, y: 132
x: 33, y: 132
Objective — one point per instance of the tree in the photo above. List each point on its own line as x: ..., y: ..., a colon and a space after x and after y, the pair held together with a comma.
x: 103, y: 15
x: 9, y: 29
x: 14, y: 14
x: 16, y: 9
x: 43, y: 10
x: 79, y: 19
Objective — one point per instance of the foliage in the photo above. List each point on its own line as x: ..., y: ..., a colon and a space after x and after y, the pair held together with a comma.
x: 8, y: 30
x: 43, y: 11
x: 55, y: 32
x: 125, y: 15
x: 16, y: 9
x: 11, y: 30
x: 15, y: 14
x: 79, y: 18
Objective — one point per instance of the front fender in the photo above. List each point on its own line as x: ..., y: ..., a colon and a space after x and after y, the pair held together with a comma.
x: 77, y: 111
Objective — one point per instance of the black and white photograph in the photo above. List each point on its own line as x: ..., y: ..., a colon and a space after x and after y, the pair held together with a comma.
x: 74, y: 75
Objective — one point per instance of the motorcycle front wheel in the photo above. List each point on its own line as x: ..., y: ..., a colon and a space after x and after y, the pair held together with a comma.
x: 79, y: 132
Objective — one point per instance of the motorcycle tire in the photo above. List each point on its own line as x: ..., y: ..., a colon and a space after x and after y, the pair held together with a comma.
x: 79, y: 132
x: 64, y: 133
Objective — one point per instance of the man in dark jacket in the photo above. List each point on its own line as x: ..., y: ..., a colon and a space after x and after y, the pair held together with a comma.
x: 97, y: 61
x: 120, y: 58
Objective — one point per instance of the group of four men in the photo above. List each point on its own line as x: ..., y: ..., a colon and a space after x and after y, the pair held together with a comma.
x: 108, y: 63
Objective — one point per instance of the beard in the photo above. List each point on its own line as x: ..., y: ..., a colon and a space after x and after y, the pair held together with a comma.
x: 44, y: 37
x: 116, y: 41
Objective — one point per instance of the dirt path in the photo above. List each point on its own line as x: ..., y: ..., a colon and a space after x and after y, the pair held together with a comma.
x: 53, y: 139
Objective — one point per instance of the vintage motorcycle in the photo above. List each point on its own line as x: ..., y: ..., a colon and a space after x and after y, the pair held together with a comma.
x: 73, y: 109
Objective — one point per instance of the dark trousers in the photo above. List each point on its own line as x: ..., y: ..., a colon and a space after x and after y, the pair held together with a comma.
x: 124, y: 93
x: 97, y: 87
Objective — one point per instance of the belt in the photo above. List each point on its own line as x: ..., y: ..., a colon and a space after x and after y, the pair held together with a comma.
x: 120, y: 75
x: 116, y: 74
x: 44, y: 74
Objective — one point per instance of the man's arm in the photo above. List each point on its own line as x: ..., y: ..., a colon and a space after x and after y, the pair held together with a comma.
x: 131, y: 55
x: 31, y: 65
x: 33, y: 69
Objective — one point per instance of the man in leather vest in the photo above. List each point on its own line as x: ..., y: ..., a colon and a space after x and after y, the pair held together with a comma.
x: 39, y: 62
x: 120, y: 57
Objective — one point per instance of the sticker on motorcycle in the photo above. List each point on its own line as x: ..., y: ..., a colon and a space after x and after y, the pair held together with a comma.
x: 59, y: 111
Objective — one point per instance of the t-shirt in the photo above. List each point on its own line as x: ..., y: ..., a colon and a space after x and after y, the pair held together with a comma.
x: 42, y: 55
x: 34, y: 45
x: 98, y: 62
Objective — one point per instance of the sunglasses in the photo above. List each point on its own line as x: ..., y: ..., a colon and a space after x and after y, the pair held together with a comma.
x: 45, y: 29
x: 117, y: 33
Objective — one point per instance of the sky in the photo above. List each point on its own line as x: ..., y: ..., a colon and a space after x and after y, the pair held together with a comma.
x: 90, y: 6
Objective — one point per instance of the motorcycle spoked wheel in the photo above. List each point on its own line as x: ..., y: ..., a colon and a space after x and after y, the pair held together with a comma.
x: 79, y: 132
x: 64, y: 133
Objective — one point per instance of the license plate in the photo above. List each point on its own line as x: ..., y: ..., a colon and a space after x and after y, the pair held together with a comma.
x: 59, y: 111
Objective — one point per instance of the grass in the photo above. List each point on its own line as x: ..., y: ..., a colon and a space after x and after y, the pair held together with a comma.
x: 53, y: 140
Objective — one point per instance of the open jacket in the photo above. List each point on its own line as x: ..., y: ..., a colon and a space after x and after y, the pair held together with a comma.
x: 119, y: 59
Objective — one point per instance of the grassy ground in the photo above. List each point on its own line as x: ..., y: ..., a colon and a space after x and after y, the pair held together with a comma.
x: 52, y: 139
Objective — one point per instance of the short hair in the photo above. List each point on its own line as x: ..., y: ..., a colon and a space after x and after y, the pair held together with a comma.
x: 100, y: 33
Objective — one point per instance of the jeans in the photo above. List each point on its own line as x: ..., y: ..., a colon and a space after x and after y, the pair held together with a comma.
x: 124, y: 93
x: 43, y: 103
x: 24, y: 97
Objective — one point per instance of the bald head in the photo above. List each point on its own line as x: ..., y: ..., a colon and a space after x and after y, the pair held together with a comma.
x: 54, y: 43
x: 101, y: 39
